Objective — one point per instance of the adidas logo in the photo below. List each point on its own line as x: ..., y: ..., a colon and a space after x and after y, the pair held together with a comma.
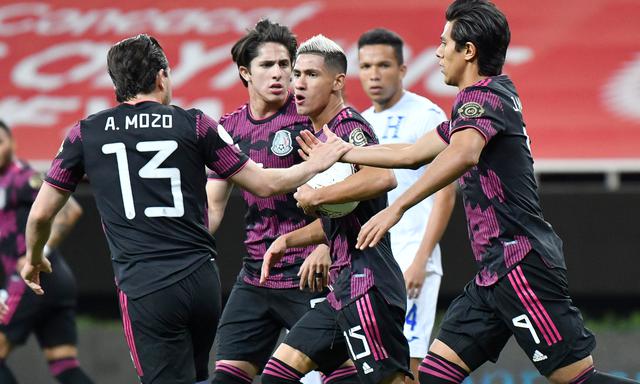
x: 367, y: 369
x: 538, y: 356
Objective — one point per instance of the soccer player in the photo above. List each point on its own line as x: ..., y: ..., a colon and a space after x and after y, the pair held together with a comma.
x: 146, y: 161
x: 368, y: 297
x: 400, y: 116
x: 264, y: 129
x: 57, y: 336
x: 521, y: 286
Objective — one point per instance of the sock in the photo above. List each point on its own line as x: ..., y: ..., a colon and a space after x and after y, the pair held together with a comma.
x: 229, y: 374
x: 342, y: 375
x: 434, y: 369
x: 279, y: 372
x: 591, y: 376
x: 68, y: 371
x: 5, y: 374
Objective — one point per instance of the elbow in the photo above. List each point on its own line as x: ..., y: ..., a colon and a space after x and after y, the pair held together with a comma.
x: 469, y: 159
x: 39, y: 217
x: 387, y: 181
x: 265, y: 190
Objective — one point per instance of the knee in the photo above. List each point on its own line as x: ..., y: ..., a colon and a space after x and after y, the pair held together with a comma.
x: 5, y: 346
x: 60, y: 352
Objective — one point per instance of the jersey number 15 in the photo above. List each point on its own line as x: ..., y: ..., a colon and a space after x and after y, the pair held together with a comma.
x: 150, y: 170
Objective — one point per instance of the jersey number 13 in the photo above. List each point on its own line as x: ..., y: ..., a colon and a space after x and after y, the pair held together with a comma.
x: 150, y: 170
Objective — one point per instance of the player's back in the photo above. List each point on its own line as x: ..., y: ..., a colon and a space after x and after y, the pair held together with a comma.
x: 146, y: 164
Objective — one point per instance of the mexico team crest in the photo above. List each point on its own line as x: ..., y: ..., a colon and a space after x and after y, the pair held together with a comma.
x: 471, y: 110
x: 282, y: 144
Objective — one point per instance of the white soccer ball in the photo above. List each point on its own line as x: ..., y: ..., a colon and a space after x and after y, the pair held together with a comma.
x: 335, y: 174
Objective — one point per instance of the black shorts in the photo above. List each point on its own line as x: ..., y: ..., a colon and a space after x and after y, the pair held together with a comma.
x: 253, y: 318
x: 52, y: 316
x: 532, y: 303
x: 170, y: 332
x: 329, y: 337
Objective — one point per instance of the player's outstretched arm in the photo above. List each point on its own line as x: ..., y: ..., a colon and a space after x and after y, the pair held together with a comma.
x: 412, y: 156
x: 274, y: 181
x: 301, y: 237
x: 43, y: 211
x: 218, y: 192
x: 461, y: 155
x: 367, y: 183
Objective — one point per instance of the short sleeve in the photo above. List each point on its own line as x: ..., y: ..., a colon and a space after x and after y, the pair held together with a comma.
x: 478, y: 108
x: 222, y: 157
x: 443, y: 131
x: 67, y: 168
x: 356, y: 132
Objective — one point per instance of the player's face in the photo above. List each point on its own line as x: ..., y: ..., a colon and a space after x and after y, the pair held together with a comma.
x: 6, y: 148
x: 380, y: 74
x: 269, y: 73
x: 313, y: 84
x: 452, y: 62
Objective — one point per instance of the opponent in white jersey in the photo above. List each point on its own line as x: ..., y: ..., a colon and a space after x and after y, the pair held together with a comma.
x: 399, y: 116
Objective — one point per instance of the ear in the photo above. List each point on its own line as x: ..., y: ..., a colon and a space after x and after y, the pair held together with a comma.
x: 245, y: 73
x: 338, y: 82
x: 160, y: 78
x: 403, y: 70
x: 470, y: 51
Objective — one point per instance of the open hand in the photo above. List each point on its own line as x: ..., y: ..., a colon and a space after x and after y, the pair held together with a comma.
x: 314, y: 272
x: 324, y: 154
x: 375, y: 229
x: 274, y: 254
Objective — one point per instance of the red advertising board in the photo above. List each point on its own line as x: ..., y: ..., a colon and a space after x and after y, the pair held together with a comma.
x: 576, y: 64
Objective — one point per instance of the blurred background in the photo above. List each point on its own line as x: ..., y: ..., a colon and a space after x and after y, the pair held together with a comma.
x: 575, y: 64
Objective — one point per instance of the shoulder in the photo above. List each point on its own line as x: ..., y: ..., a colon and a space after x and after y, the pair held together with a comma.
x: 351, y: 124
x: 231, y: 119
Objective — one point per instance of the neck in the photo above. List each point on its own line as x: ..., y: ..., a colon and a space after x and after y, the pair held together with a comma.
x: 393, y: 100
x: 139, y: 98
x: 334, y: 106
x: 261, y: 109
x: 470, y: 77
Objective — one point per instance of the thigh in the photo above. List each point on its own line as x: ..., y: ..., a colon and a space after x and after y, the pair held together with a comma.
x: 247, y: 331
x: 318, y: 336
x: 57, y: 327
x: 24, y: 310
x: 363, y: 322
x: 206, y: 310
x: 421, y: 313
x: 536, y: 305
x: 156, y: 331
x: 289, y: 305
x: 472, y: 328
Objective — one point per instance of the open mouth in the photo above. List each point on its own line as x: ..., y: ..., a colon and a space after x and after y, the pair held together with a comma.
x: 299, y: 98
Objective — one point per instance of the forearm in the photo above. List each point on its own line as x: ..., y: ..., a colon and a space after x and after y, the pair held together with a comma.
x: 218, y: 193
x: 381, y: 156
x: 37, y: 233
x: 437, y: 223
x: 307, y: 235
x: 447, y: 167
x: 64, y: 221
x: 365, y: 184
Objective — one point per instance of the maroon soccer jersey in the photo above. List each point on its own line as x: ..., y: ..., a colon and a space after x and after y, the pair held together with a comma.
x: 500, y: 196
x: 271, y: 143
x: 354, y: 272
x: 146, y: 165
x: 19, y: 185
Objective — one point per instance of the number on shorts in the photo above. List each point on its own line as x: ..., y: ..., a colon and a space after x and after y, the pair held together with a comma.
x: 412, y: 316
x: 523, y: 321
x: 151, y: 170
x: 353, y: 333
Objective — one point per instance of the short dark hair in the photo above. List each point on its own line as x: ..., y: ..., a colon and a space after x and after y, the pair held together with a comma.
x: 384, y: 37
x: 5, y: 127
x: 133, y: 64
x: 480, y: 22
x: 333, y: 54
x: 246, y: 49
